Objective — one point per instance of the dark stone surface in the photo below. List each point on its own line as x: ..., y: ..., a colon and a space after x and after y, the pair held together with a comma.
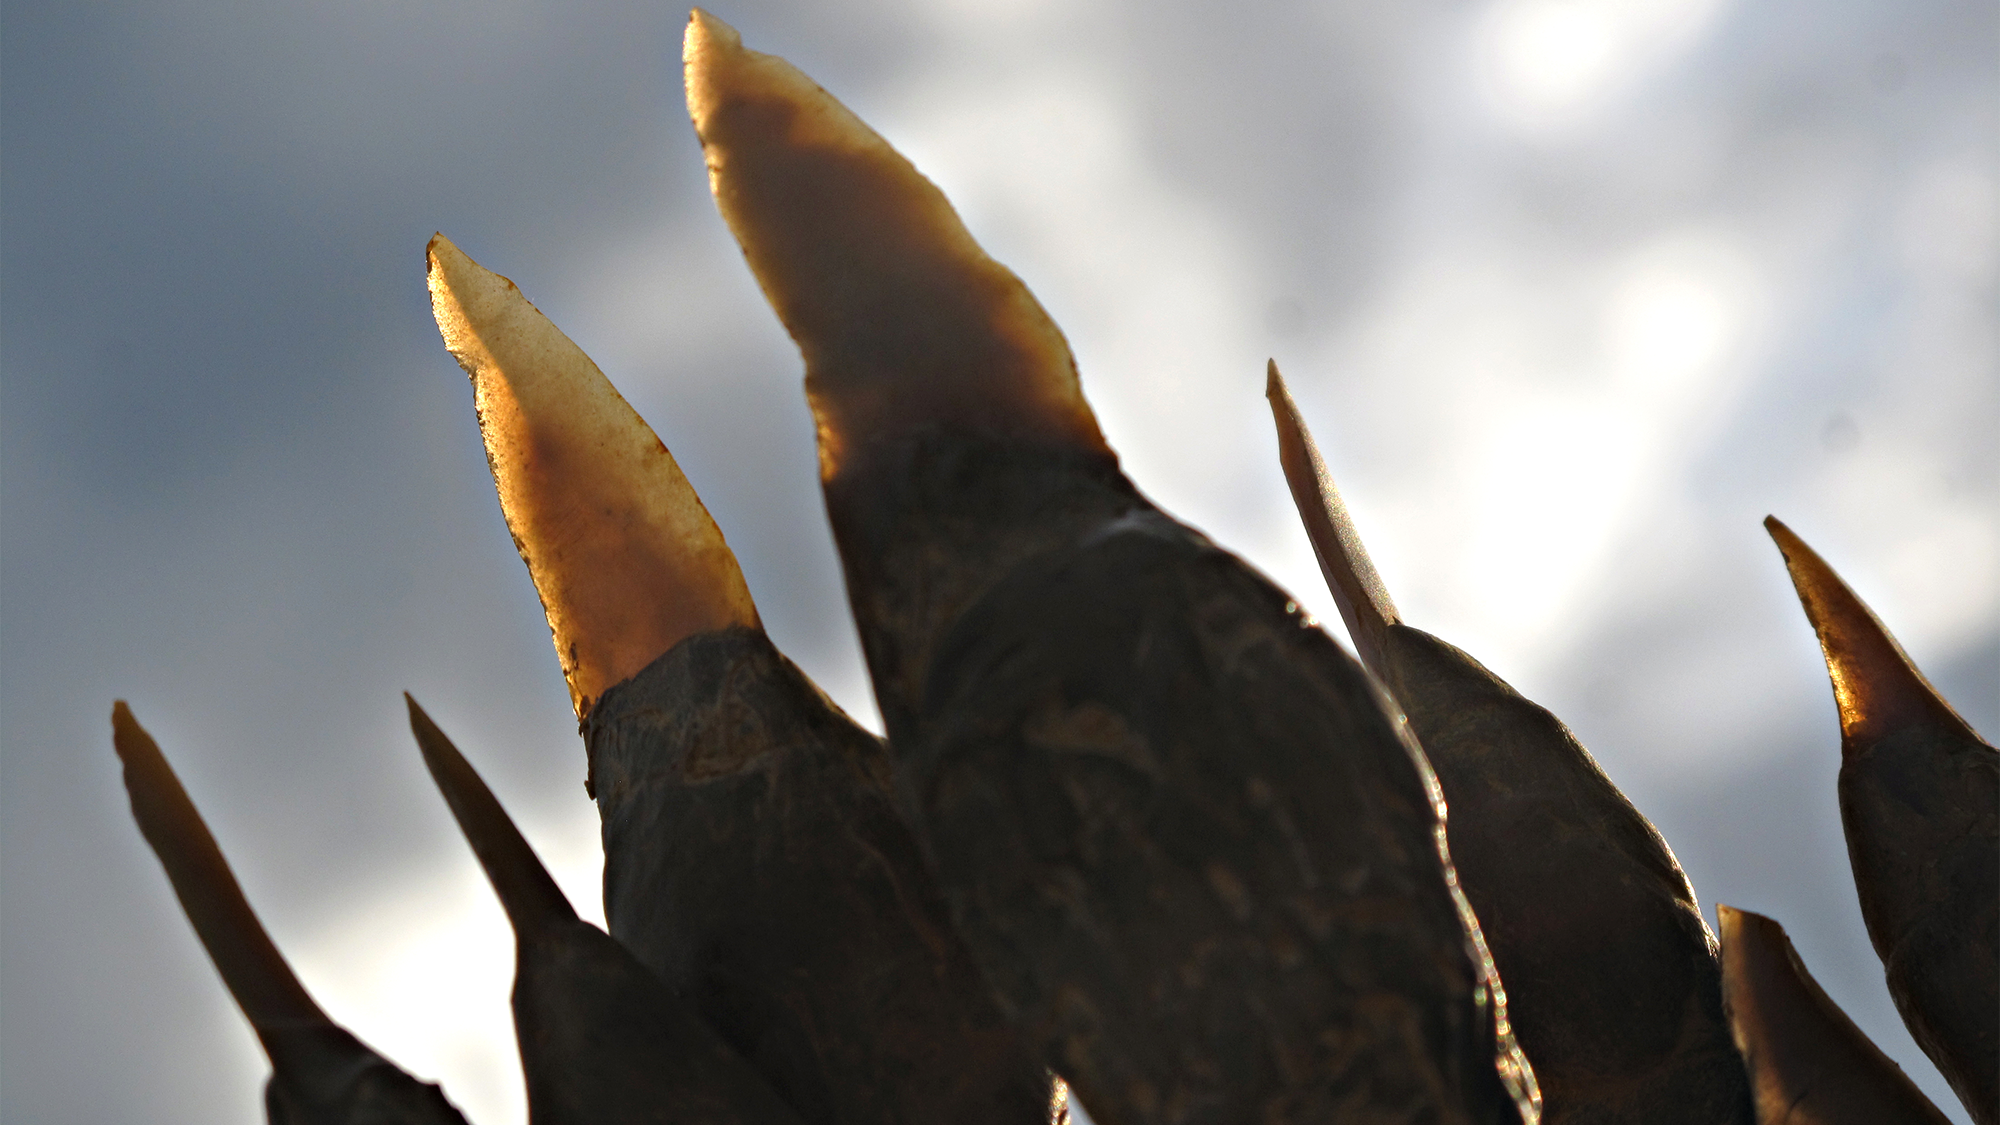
x: 755, y: 861
x: 603, y: 1041
x: 1612, y: 981
x: 1921, y: 807
x: 321, y: 1073
x: 1173, y: 823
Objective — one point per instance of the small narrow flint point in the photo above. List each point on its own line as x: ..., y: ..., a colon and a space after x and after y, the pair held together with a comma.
x: 1808, y: 1062
x: 904, y: 322
x: 256, y: 974
x: 624, y: 556
x: 1364, y: 602
x: 1876, y: 687
x: 527, y: 892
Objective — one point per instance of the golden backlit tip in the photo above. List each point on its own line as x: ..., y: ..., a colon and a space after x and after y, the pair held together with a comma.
x: 1364, y: 602
x: 1875, y: 685
x: 903, y: 321
x: 624, y: 556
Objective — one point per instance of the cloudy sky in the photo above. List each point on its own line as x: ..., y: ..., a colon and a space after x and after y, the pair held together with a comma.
x: 1573, y: 292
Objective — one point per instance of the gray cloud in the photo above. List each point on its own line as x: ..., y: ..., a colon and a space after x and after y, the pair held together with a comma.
x: 240, y: 484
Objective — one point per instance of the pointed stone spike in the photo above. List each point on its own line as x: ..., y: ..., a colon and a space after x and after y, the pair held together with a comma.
x: 533, y: 902
x: 626, y: 559
x: 753, y: 860
x: 323, y: 1074
x: 903, y: 320
x: 1808, y: 1063
x: 1876, y: 687
x: 1197, y: 861
x: 1364, y: 602
x: 1920, y: 803
x: 263, y: 984
x: 1579, y: 896
x: 603, y: 1041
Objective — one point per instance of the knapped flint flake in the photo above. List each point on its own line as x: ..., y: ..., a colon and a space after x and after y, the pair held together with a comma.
x: 1174, y: 825
x: 1612, y: 981
x: 321, y: 1074
x: 1808, y: 1063
x: 755, y: 861
x: 1920, y: 802
x: 603, y: 1041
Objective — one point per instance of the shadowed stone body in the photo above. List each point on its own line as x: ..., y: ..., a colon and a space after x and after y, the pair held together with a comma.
x: 755, y: 861
x: 1920, y: 800
x: 1612, y: 979
x: 1808, y: 1063
x: 321, y: 1073
x: 1173, y: 821
x: 1179, y: 834
x: 603, y: 1041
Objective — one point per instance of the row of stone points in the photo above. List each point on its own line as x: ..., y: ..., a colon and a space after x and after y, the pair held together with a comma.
x: 1137, y: 822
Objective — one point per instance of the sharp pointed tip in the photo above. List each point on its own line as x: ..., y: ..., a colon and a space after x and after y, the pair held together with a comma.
x: 255, y: 973
x: 431, y: 742
x: 1876, y: 687
x: 625, y: 557
x: 1805, y: 1057
x: 526, y: 891
x: 1350, y: 574
x: 705, y: 44
x: 125, y: 729
x: 904, y: 322
x: 1727, y: 919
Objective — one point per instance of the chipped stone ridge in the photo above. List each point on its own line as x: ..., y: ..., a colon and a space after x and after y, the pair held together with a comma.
x: 1173, y: 821
x: 755, y: 861
x: 1920, y: 802
x: 1808, y: 1063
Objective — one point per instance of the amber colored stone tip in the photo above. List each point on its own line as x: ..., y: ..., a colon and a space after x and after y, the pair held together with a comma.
x: 903, y: 321
x: 1875, y: 685
x: 624, y: 556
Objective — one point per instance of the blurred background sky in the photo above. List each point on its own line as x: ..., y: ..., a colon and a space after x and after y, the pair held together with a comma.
x: 1573, y: 292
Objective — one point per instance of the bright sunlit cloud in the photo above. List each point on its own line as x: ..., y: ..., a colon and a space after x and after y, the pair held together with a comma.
x: 423, y: 972
x: 1572, y: 400
x: 1547, y: 64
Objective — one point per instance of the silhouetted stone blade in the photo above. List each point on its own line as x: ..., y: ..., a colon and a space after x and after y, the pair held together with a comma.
x: 322, y: 1074
x: 1808, y: 1063
x: 603, y: 1041
x: 754, y: 859
x: 1612, y: 980
x: 1920, y: 799
x: 1172, y: 820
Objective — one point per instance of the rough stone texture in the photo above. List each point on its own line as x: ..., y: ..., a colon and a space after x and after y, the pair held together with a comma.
x: 1173, y: 822
x: 1612, y: 979
x: 604, y: 1042
x: 1922, y: 811
x: 755, y: 861
x: 1808, y: 1063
